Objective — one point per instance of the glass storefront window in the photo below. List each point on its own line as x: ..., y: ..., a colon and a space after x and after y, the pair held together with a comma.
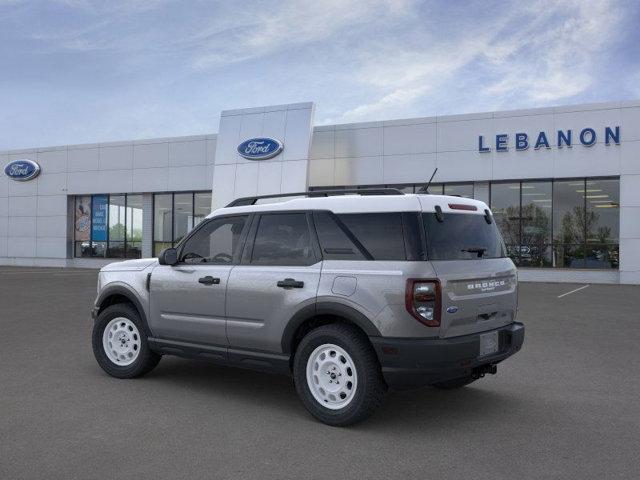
x: 134, y: 226
x: 460, y: 189
x: 569, y: 223
x: 603, y: 223
x: 162, y: 222
x: 108, y: 226
x: 535, y: 230
x: 175, y: 215
x: 82, y: 227
x: 182, y: 215
x: 117, y: 220
x: 201, y: 207
x: 505, y: 205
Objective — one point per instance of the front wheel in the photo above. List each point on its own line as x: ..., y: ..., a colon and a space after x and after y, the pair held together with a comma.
x: 337, y: 375
x: 120, y: 344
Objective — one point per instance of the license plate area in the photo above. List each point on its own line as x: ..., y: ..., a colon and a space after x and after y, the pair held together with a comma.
x: 489, y: 343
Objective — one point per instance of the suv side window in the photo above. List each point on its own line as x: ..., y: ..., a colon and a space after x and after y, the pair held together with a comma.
x: 380, y: 233
x: 334, y: 240
x: 283, y: 239
x: 216, y: 242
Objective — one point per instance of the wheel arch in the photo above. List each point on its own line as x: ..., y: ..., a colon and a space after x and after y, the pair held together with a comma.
x: 323, y: 313
x: 115, y: 294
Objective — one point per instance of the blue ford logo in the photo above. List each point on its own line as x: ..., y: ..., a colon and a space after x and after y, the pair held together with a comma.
x: 260, y: 148
x: 452, y: 309
x: 22, y: 170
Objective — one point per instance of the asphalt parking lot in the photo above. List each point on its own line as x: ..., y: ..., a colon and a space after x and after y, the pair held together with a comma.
x: 567, y: 406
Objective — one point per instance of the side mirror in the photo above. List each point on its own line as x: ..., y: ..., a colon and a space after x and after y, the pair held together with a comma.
x: 168, y: 256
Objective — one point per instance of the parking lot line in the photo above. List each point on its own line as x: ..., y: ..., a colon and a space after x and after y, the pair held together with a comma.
x: 573, y: 291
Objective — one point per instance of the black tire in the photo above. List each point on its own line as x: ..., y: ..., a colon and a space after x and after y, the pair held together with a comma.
x: 146, y: 360
x: 455, y: 383
x: 370, y: 387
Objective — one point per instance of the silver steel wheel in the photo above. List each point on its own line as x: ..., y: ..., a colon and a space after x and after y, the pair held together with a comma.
x: 121, y: 341
x: 332, y: 376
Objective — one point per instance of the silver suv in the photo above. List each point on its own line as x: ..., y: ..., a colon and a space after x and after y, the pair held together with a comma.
x: 349, y: 292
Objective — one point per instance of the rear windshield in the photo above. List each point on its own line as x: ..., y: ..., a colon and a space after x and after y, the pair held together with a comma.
x: 462, y: 236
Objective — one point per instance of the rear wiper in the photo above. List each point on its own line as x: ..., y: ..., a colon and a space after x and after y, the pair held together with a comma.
x: 479, y: 250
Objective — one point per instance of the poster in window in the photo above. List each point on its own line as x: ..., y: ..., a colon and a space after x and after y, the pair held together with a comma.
x: 83, y: 219
x: 99, y: 218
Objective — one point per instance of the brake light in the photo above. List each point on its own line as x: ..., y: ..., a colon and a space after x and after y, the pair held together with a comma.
x: 422, y: 299
x: 463, y: 206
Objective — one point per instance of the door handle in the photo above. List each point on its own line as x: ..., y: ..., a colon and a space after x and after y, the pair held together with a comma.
x: 209, y: 280
x: 290, y: 283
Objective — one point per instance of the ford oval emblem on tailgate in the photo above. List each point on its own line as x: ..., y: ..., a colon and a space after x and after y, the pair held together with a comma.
x: 452, y: 309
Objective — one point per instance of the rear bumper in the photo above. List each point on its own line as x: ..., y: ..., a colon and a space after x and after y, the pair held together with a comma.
x: 412, y: 363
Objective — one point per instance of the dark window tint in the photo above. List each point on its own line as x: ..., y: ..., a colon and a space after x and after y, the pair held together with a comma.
x: 379, y: 233
x: 216, y: 242
x: 283, y: 239
x: 462, y: 237
x: 334, y: 241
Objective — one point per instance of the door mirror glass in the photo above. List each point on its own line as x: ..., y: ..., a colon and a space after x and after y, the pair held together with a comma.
x: 168, y: 256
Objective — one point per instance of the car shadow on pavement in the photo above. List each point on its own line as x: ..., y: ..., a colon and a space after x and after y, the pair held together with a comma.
x: 407, y: 410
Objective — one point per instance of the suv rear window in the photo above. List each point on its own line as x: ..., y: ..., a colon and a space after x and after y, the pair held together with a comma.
x: 462, y: 236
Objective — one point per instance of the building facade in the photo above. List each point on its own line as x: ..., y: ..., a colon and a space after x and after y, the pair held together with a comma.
x: 563, y: 182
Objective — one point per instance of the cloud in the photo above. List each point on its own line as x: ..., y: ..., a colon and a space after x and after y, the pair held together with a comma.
x: 287, y: 25
x: 541, y: 53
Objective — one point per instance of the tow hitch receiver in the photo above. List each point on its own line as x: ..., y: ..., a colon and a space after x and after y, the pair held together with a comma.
x: 483, y: 370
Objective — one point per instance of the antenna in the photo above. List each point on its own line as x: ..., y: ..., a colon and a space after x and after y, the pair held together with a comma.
x: 426, y: 187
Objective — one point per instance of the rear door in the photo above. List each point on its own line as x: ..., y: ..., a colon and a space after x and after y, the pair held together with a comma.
x: 187, y: 300
x: 279, y: 275
x: 478, y: 282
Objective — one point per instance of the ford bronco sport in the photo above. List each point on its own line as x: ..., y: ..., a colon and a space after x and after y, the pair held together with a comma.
x: 350, y: 294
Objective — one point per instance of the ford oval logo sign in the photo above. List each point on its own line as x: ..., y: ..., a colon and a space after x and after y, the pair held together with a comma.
x: 22, y: 170
x: 260, y: 148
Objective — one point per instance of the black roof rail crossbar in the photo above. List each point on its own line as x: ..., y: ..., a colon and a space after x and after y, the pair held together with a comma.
x: 244, y: 201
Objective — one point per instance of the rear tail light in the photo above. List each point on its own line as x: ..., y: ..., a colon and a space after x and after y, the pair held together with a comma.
x: 422, y: 298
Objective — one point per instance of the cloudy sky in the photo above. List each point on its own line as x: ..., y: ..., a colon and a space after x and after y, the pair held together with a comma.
x: 80, y: 71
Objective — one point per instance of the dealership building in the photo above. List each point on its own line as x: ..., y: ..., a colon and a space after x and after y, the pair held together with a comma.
x: 563, y: 182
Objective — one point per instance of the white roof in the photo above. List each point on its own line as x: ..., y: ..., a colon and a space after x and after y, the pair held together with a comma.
x: 361, y: 204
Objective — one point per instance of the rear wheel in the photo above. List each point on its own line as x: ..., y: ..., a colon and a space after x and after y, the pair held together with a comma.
x: 120, y: 344
x: 455, y: 383
x: 337, y: 375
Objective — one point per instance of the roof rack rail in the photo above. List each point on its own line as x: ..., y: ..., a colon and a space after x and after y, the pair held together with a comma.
x: 244, y: 201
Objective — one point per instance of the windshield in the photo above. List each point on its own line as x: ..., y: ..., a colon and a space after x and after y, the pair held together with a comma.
x: 462, y: 236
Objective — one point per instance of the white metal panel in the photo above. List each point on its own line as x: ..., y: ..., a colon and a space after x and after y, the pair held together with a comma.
x: 150, y: 179
x: 83, y: 159
x: 21, y: 246
x: 52, y: 226
x: 322, y: 144
x: 22, y: 227
x: 52, y: 161
x: 22, y: 206
x: 187, y: 153
x: 413, y: 168
x: 358, y: 142
x: 407, y: 139
x: 188, y: 178
x: 52, y: 183
x: 51, y: 247
x: 150, y: 155
x: 117, y: 157
x: 629, y: 157
x: 51, y: 205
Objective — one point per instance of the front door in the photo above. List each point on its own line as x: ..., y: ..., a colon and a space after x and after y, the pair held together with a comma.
x: 279, y: 275
x: 187, y: 300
